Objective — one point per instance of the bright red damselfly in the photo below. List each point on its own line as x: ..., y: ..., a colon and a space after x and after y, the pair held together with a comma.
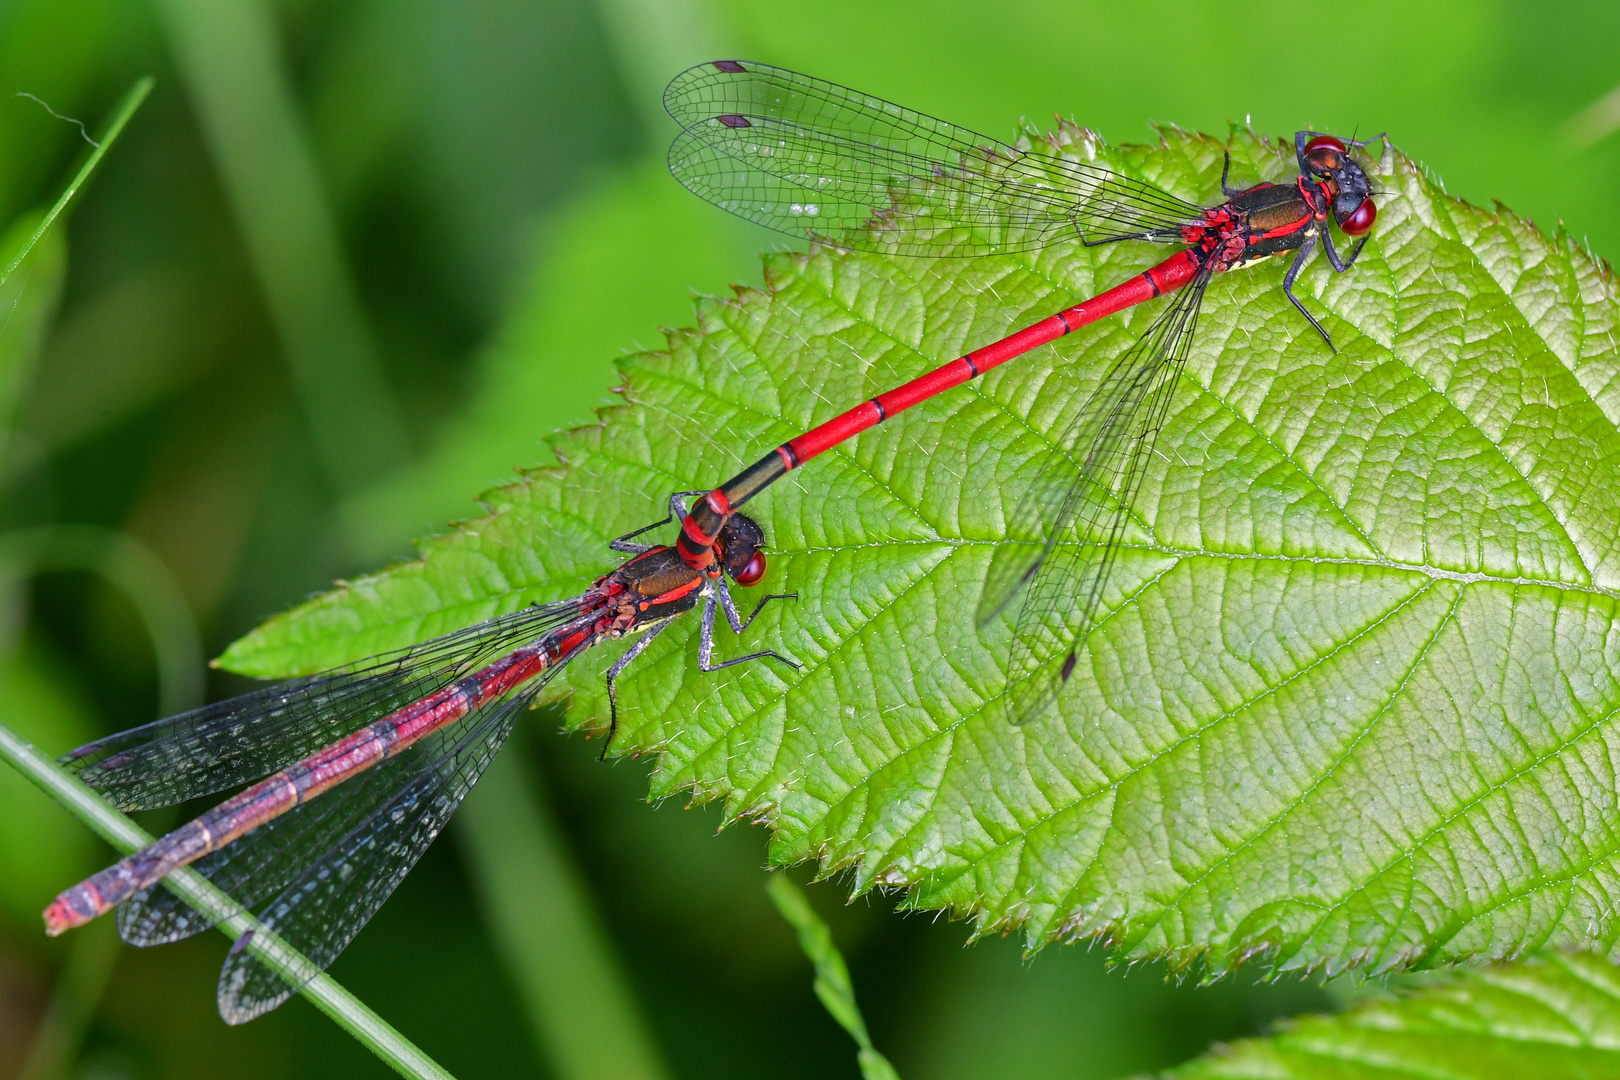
x: 823, y: 162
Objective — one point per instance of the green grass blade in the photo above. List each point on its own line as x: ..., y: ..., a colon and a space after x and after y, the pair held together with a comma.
x: 833, y: 987
x: 343, y: 1007
x: 126, y: 109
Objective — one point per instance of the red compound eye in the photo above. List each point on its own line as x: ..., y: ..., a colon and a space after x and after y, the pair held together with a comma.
x: 1360, y: 220
x: 753, y: 572
x: 1324, y: 141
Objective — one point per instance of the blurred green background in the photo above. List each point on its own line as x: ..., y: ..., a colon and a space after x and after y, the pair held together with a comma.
x: 350, y: 265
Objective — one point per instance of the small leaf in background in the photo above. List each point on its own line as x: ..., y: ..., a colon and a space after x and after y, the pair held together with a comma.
x: 833, y: 987
x: 1347, y: 700
x: 1552, y: 1018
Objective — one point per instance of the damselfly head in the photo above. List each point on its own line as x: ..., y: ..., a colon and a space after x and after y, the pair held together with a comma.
x: 739, y: 545
x: 1329, y: 159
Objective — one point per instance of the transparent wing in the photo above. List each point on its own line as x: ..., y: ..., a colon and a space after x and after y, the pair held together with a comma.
x: 817, y: 160
x: 261, y: 864
x: 1080, y: 504
x: 231, y: 742
x: 333, y: 895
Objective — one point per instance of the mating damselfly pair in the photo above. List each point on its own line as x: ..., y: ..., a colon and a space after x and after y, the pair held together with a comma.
x: 352, y: 773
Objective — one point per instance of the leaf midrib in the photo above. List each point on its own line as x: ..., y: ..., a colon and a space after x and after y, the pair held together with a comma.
x: 754, y: 801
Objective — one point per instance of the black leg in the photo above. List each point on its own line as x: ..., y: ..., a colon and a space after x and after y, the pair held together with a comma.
x: 1333, y: 254
x: 761, y: 605
x: 677, y: 512
x: 677, y: 504
x: 623, y: 544
x: 706, y: 633
x: 613, y: 673
x: 1289, y: 278
x: 1300, y: 139
x: 737, y: 625
x: 1225, y: 170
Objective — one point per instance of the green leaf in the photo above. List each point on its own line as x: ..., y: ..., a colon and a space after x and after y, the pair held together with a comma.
x: 1555, y: 1018
x: 1348, y: 702
x: 833, y: 988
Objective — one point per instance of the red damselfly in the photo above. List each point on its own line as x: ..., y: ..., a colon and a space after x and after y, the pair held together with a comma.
x: 431, y: 717
x: 822, y: 162
x: 390, y: 744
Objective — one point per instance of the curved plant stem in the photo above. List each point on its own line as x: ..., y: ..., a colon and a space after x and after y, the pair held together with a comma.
x: 121, y: 115
x: 321, y: 989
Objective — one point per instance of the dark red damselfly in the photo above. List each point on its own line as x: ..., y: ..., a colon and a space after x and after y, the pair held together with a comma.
x: 822, y: 162
x: 391, y: 744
